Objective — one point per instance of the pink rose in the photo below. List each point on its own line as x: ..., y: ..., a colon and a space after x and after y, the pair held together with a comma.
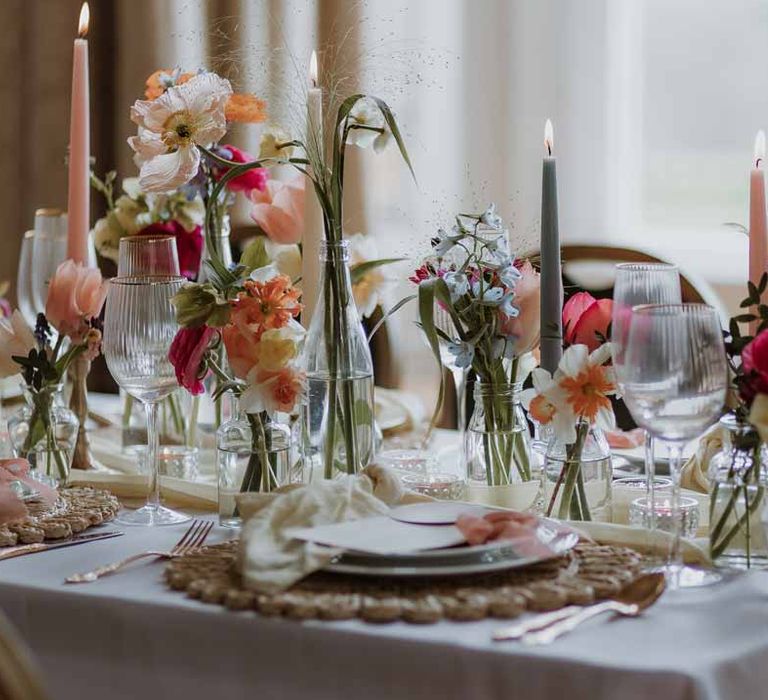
x: 279, y: 210
x: 255, y: 179
x: 188, y: 243
x: 586, y: 320
x: 754, y: 363
x: 186, y: 355
x: 75, y: 296
x: 525, y: 327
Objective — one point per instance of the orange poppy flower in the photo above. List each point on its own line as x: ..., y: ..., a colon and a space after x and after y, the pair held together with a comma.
x: 269, y: 304
x: 244, y: 108
x: 156, y: 87
x: 587, y: 391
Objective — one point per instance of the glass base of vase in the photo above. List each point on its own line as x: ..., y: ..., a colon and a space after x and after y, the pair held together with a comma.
x: 738, y: 561
x: 690, y: 577
x: 151, y: 516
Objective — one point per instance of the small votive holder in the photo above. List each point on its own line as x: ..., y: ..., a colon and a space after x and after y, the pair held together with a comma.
x: 440, y: 485
x: 178, y: 461
x: 407, y: 461
x: 640, y: 483
x: 640, y: 514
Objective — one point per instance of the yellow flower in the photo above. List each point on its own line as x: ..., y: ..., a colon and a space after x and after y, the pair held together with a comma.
x: 279, y: 346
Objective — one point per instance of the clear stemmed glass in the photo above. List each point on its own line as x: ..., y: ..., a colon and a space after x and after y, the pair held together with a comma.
x: 641, y: 283
x: 139, y: 326
x: 150, y: 254
x: 49, y: 250
x: 24, y: 281
x: 675, y: 378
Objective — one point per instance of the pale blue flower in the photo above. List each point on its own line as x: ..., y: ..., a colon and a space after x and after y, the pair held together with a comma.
x: 457, y: 283
x: 490, y: 296
x: 490, y: 218
x: 509, y: 274
x: 507, y: 307
x: 443, y: 242
x: 462, y: 352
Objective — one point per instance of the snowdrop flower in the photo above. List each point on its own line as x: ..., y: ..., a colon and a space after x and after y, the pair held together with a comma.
x: 457, y: 283
x: 463, y: 353
x: 366, y: 113
x: 173, y: 125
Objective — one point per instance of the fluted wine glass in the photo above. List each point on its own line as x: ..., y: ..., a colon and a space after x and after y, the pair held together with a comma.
x: 149, y: 254
x: 24, y: 280
x: 675, y: 378
x: 140, y: 324
x: 641, y: 283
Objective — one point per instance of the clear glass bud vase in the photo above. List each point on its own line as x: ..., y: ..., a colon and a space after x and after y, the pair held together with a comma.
x: 44, y: 431
x: 338, y: 421
x: 497, y: 450
x: 252, y: 454
x: 579, y: 476
x: 737, y: 498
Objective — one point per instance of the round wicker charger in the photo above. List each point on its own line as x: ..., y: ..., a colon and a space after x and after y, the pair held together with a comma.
x: 76, y: 509
x: 589, y: 572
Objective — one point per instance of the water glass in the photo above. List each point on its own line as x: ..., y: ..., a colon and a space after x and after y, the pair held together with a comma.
x: 150, y: 254
x: 675, y: 378
x: 140, y: 324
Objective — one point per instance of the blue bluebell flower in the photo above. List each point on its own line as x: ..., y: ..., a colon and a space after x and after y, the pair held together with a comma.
x: 462, y: 352
x: 457, y: 283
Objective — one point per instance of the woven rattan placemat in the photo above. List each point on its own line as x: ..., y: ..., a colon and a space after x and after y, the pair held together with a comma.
x: 75, y: 510
x: 589, y: 572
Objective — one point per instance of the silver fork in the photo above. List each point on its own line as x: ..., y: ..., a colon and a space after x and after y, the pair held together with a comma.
x: 192, y: 539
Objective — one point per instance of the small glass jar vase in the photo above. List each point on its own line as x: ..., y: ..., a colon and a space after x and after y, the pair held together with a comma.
x: 338, y: 416
x: 253, y: 453
x: 738, y: 476
x: 579, y: 476
x: 497, y: 450
x: 44, y: 431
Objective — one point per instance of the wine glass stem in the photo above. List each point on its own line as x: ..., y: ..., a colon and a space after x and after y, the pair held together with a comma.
x: 153, y: 497
x: 650, y: 478
x: 460, y: 383
x: 675, y: 460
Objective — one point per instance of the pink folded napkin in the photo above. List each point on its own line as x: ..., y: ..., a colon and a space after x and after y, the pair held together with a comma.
x: 11, y: 506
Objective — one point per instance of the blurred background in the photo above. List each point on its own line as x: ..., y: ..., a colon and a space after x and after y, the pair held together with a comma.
x: 655, y: 106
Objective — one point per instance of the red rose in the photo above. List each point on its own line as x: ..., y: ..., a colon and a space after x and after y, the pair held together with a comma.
x: 754, y: 363
x: 586, y: 320
x: 188, y: 243
x: 255, y: 179
x: 186, y: 355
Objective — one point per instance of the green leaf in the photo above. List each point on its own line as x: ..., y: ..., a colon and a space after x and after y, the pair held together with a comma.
x: 744, y: 318
x: 392, y: 124
x: 763, y: 283
x: 400, y: 304
x: 745, y: 303
x: 754, y: 294
x: 255, y: 255
x: 357, y: 272
x: 363, y: 413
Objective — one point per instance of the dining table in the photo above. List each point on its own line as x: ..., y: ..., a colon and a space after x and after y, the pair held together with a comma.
x: 129, y: 636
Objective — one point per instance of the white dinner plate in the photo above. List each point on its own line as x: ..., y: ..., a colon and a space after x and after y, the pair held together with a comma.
x: 457, y: 561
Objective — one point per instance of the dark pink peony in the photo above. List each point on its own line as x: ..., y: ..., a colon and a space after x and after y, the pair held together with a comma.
x: 754, y: 363
x: 188, y: 243
x: 187, y: 354
x: 255, y: 179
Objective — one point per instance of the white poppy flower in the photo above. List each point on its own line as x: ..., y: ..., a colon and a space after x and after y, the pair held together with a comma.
x: 374, y: 287
x: 171, y: 126
x: 16, y: 338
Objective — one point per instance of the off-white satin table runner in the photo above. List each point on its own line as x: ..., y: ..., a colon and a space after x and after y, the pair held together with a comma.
x: 128, y: 637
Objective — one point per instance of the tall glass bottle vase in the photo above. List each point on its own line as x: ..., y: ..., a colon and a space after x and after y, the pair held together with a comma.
x: 338, y: 421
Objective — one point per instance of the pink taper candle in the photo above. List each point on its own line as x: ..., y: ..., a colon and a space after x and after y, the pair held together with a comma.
x: 79, y: 200
x: 758, y: 231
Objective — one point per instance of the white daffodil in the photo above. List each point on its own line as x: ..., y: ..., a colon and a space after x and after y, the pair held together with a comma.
x: 366, y: 113
x: 171, y: 127
x: 374, y: 287
x: 547, y: 404
x: 270, y: 140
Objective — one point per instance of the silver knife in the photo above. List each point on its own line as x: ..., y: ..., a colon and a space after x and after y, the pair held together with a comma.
x: 22, y: 549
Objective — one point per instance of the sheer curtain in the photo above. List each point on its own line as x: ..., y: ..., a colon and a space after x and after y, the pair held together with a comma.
x: 654, y: 104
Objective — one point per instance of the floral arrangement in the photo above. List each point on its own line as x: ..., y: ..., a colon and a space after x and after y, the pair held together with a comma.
x: 493, y: 302
x: 75, y: 297
x: 257, y: 326
x: 572, y: 400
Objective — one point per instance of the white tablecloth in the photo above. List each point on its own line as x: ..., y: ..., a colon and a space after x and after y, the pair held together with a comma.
x: 127, y: 636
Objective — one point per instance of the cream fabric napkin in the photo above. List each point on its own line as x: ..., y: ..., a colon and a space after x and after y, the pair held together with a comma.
x: 694, y: 474
x: 272, y: 561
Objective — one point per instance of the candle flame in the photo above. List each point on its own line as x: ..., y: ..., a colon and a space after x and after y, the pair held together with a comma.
x: 313, y: 69
x: 85, y: 18
x: 549, y: 139
x: 759, y: 147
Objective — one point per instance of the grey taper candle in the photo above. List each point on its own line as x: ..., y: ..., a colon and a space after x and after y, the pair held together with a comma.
x: 551, y: 272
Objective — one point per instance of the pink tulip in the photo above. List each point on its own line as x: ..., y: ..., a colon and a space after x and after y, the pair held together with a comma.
x: 586, y: 320
x: 525, y: 327
x: 250, y: 180
x: 75, y: 296
x: 279, y: 210
x: 187, y: 354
